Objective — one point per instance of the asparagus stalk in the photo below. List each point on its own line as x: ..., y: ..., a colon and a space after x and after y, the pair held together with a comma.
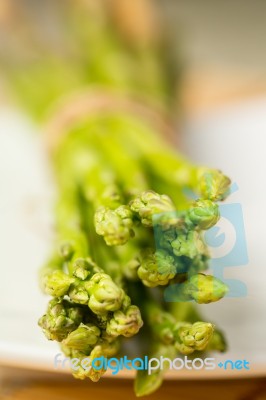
x: 169, y: 337
x: 184, y: 336
x: 156, y: 268
x: 86, y: 284
x: 163, y: 163
x: 112, y: 219
x: 145, y: 383
x: 102, y: 348
x: 187, y: 312
x: 201, y: 288
x: 61, y: 318
x: 149, y: 203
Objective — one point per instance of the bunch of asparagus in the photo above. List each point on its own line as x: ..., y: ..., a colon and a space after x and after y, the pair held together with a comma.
x: 129, y: 257
x: 127, y: 239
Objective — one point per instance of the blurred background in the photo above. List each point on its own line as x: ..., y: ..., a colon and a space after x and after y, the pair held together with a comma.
x: 202, y: 66
x: 218, y: 46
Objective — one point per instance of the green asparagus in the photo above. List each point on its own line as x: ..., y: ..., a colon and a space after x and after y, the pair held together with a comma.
x: 126, y: 236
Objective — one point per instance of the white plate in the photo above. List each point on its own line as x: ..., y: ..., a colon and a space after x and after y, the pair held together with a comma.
x: 25, y: 231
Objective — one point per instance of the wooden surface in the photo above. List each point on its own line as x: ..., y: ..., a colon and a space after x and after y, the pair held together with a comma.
x: 22, y: 384
x: 43, y: 389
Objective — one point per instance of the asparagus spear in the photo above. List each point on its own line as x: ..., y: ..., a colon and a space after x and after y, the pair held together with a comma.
x: 112, y: 219
x: 125, y: 322
x: 218, y: 342
x: 201, y: 288
x: 156, y: 268
x: 102, y: 348
x: 83, y: 338
x: 163, y: 163
x: 145, y: 383
x: 169, y: 337
x: 149, y: 203
x: 184, y: 336
x: 61, y: 318
x: 88, y: 284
